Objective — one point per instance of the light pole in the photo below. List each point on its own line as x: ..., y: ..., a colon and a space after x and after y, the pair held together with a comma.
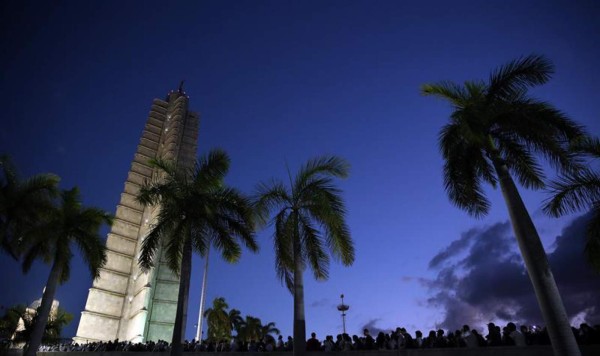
x: 202, y: 298
x: 343, y: 308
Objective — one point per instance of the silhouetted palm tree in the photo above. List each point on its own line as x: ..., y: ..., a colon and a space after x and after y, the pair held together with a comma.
x: 219, y: 324
x: 577, y: 191
x: 309, y: 218
x: 250, y: 329
x: 268, y: 329
x: 67, y: 224
x: 10, y: 321
x: 22, y: 202
x: 56, y: 322
x: 196, y: 210
x: 496, y: 130
x: 235, y: 319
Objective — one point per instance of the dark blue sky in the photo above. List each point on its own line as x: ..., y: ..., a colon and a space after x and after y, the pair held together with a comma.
x: 277, y: 82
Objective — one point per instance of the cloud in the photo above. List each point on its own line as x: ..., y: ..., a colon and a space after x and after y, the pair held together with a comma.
x: 481, y: 278
x: 320, y: 303
x: 456, y: 247
x: 373, y: 330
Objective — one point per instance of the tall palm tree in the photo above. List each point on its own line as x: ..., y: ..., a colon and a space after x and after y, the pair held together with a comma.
x: 496, y: 130
x: 21, y: 203
x: 68, y: 224
x: 219, y: 325
x: 309, y: 217
x: 577, y: 191
x: 197, y: 211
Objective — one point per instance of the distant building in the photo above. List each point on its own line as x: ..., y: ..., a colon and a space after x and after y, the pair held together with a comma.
x: 30, y: 313
x: 123, y: 302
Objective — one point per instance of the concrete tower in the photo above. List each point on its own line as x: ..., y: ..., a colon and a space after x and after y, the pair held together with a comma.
x: 124, y: 302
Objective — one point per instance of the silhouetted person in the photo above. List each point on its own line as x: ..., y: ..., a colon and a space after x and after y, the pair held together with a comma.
x: 380, y: 341
x: 369, y: 341
x: 515, y: 335
x: 328, y: 344
x: 313, y: 344
x: 440, y: 339
x: 280, y: 345
x: 418, y: 339
x: 429, y: 341
x: 494, y: 338
x: 468, y: 337
x: 480, y: 340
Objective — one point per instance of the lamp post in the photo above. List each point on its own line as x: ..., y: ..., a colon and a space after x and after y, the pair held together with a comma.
x: 202, y: 298
x: 343, y: 308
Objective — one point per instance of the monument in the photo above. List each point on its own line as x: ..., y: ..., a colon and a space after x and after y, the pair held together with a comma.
x: 124, y: 302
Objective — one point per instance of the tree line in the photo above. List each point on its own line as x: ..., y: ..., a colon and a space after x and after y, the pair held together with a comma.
x: 497, y: 134
x: 223, y: 322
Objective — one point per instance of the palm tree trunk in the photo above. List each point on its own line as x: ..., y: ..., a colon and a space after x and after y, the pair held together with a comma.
x: 44, y: 311
x: 299, y: 319
x: 538, y: 268
x: 184, y: 287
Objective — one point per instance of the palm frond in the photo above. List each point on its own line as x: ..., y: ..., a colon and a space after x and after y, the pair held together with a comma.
x: 234, y: 209
x: 447, y: 90
x: 325, y: 205
x: 326, y: 166
x: 93, y: 251
x: 23, y: 204
x: 573, y: 193
x: 212, y: 168
x: 35, y: 252
x: 518, y: 75
x: 464, y: 169
x: 519, y: 160
x: 153, y: 192
x: 200, y: 235
x: 65, y: 268
x: 225, y: 242
x: 173, y: 247
x: 268, y: 197
x: 152, y: 243
x: 543, y: 130
x: 314, y: 253
x: 586, y: 145
x: 283, y: 245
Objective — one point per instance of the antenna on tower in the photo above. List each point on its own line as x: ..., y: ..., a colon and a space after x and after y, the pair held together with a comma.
x: 180, y: 90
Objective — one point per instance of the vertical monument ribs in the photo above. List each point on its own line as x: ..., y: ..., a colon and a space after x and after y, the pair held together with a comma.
x: 125, y: 302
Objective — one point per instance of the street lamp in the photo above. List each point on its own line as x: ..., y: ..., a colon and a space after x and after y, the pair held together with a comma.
x: 343, y: 308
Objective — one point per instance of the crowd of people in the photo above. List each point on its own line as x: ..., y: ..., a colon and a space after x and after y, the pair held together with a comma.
x: 509, y: 335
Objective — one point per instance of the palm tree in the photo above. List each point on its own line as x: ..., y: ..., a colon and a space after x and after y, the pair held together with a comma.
x: 10, y: 321
x: 67, y: 224
x: 21, y: 203
x: 496, y: 130
x: 577, y: 191
x: 197, y: 211
x: 53, y: 329
x: 308, y: 217
x: 250, y: 329
x: 235, y: 320
x: 268, y: 329
x: 219, y: 325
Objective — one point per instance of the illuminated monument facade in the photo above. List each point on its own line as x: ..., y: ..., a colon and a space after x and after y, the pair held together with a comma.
x: 124, y: 302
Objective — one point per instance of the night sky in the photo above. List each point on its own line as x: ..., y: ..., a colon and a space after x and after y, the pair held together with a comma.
x: 279, y: 82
